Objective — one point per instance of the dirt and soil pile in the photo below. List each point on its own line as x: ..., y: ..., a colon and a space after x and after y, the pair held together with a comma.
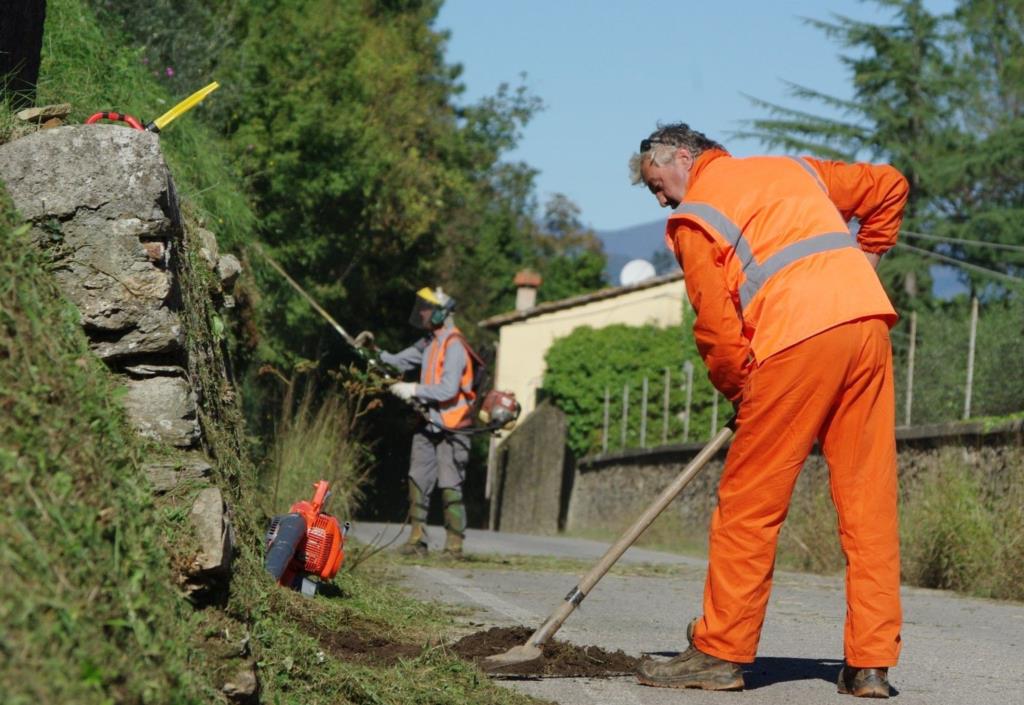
x: 356, y: 642
x: 560, y: 659
x: 361, y: 648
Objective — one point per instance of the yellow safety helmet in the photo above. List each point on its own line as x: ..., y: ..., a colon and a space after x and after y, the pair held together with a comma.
x: 431, y: 308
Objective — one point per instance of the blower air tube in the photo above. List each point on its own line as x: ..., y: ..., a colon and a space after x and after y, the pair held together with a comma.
x: 291, y: 529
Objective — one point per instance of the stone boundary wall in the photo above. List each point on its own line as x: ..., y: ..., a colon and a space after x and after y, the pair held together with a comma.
x: 532, y: 469
x: 610, y: 490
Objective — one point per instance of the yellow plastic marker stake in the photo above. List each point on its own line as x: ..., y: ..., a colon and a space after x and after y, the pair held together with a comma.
x: 182, y: 107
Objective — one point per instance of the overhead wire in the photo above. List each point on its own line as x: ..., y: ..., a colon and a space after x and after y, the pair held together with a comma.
x: 961, y: 241
x: 961, y: 263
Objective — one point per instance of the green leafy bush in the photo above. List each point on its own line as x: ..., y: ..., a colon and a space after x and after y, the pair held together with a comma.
x: 586, y: 363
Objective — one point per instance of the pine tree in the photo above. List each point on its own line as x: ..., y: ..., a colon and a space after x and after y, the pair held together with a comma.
x: 940, y: 96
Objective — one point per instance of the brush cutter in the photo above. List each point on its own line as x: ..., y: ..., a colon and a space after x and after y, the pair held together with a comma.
x: 533, y: 648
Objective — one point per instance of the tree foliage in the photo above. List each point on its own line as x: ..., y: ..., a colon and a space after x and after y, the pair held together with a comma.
x: 369, y: 174
x: 370, y: 177
x: 569, y: 256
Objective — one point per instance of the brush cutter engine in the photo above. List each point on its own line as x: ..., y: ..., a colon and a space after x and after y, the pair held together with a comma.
x: 499, y: 410
x: 306, y: 545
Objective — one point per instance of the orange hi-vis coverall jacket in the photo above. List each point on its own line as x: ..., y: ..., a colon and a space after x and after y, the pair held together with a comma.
x: 792, y: 323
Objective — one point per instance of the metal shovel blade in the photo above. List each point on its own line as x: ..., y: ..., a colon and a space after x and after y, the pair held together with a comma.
x: 515, y: 656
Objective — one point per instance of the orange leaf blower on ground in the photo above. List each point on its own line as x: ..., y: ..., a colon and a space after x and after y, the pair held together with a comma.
x: 306, y: 545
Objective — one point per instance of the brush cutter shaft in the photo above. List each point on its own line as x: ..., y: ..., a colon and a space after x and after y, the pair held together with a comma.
x: 309, y: 299
x: 583, y: 588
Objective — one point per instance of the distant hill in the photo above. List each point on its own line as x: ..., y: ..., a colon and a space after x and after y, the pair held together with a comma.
x: 635, y: 242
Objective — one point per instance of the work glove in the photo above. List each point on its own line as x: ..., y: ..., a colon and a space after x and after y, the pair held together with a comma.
x: 403, y: 390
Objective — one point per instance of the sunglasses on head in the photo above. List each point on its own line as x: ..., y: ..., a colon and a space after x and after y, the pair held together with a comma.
x: 646, y: 144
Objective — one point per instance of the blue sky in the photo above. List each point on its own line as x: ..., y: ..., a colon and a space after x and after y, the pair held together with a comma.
x: 608, y: 71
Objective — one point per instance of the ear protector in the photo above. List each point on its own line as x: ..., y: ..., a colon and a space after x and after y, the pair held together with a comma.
x: 441, y: 312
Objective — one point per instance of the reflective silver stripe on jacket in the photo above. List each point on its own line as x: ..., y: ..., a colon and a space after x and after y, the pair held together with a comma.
x: 757, y: 273
x: 810, y: 170
x: 714, y: 217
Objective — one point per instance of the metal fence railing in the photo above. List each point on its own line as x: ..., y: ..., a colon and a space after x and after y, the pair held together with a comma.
x: 959, y: 366
x: 686, y: 406
x: 948, y: 365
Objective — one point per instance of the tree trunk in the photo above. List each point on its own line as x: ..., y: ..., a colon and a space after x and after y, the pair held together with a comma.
x: 910, y: 284
x: 21, y: 40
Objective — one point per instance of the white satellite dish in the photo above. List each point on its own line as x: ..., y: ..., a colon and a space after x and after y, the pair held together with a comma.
x: 636, y: 271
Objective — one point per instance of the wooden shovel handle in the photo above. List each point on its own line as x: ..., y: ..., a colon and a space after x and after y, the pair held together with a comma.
x: 583, y: 588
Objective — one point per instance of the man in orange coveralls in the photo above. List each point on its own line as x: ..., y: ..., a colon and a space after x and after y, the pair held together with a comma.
x: 792, y: 323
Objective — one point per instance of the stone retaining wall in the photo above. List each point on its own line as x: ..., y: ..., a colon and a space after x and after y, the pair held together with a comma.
x: 609, y: 491
x: 101, y: 203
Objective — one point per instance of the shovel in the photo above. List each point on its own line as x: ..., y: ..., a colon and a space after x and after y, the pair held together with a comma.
x: 533, y: 648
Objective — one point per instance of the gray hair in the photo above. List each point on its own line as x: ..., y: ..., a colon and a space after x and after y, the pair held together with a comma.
x: 662, y: 146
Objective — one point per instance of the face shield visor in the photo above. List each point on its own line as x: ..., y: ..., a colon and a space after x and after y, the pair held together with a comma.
x: 423, y: 309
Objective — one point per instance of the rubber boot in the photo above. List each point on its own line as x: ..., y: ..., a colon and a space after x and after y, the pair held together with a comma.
x: 454, y: 521
x: 419, y: 505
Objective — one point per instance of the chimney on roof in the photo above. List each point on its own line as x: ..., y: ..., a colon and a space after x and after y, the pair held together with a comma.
x: 527, y: 281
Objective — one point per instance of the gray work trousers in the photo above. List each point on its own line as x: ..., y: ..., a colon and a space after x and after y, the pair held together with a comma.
x: 438, y: 458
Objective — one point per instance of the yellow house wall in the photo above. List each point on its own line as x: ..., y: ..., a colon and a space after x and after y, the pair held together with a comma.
x: 523, y: 344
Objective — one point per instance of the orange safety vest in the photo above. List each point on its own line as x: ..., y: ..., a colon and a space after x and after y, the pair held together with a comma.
x: 454, y: 412
x: 793, y: 269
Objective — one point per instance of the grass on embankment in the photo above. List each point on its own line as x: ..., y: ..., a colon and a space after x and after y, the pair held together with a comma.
x: 308, y: 656
x: 88, y: 603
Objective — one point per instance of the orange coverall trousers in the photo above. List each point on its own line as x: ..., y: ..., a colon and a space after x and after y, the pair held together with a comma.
x: 837, y: 388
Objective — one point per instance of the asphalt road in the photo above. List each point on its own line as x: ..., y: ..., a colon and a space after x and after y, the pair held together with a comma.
x: 956, y: 650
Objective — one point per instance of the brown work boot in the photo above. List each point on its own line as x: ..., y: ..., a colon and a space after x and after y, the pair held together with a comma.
x: 691, y: 669
x: 864, y: 682
x: 416, y: 545
x: 453, y: 546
